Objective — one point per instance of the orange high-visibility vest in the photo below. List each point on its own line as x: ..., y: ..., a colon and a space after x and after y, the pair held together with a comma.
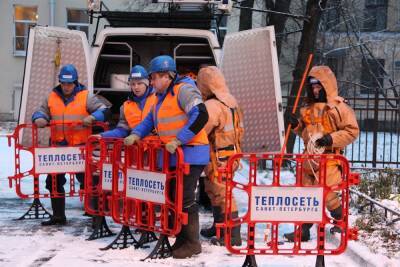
x: 171, y: 119
x: 73, y: 112
x: 133, y: 114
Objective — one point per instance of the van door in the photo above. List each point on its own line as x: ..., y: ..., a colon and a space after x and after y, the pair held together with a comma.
x: 49, y: 48
x: 250, y: 65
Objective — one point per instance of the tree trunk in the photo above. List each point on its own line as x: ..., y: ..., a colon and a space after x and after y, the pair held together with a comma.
x: 306, y: 47
x: 246, y: 15
x: 278, y: 21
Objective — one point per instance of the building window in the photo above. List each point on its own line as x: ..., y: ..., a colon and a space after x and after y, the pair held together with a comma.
x: 375, y: 15
x: 332, y: 15
x: 24, y: 18
x: 397, y: 65
x: 78, y: 19
x: 372, y: 75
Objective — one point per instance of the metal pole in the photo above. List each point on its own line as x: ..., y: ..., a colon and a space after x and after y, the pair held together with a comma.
x: 52, y: 9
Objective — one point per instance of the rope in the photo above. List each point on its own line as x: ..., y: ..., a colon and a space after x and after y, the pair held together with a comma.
x: 314, y: 149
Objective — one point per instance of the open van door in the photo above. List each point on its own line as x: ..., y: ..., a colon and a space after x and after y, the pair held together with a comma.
x: 250, y: 65
x: 49, y: 48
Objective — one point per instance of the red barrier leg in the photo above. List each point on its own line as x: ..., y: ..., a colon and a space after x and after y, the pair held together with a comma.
x: 124, y: 239
x: 36, y: 211
x: 145, y: 238
x: 100, y: 228
x: 162, y: 249
x: 250, y: 261
x: 320, y: 261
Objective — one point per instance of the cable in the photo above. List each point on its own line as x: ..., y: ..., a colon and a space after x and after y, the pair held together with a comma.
x: 314, y: 149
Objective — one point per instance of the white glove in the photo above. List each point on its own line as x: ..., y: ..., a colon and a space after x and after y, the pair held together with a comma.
x: 88, y: 120
x: 171, y: 146
x: 131, y: 139
x: 40, y: 122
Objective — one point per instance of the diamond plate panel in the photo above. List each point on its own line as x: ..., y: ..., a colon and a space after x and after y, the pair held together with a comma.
x: 250, y: 66
x: 43, y: 72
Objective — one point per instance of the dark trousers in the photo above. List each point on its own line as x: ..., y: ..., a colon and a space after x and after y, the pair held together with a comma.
x: 60, y: 182
x: 189, y: 188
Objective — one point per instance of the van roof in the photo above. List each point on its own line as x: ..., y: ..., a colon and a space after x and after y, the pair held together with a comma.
x: 158, y: 31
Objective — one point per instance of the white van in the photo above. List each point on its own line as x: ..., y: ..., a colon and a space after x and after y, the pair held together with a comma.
x: 248, y: 60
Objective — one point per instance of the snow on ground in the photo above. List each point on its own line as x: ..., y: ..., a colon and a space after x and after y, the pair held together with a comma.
x: 375, y: 233
x: 26, y: 243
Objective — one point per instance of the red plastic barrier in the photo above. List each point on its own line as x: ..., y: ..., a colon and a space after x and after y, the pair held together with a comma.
x: 98, y: 175
x: 48, y: 157
x: 152, y: 192
x: 279, y: 200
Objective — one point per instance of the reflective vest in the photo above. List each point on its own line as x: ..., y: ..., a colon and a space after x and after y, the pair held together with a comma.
x: 310, y: 118
x: 133, y: 114
x: 171, y: 119
x: 316, y: 119
x: 73, y: 112
x: 227, y: 140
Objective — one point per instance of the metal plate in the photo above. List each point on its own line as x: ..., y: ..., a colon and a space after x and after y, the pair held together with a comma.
x: 41, y: 72
x: 250, y: 66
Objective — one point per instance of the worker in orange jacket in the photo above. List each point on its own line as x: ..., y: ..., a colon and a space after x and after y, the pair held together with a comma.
x: 331, y: 124
x: 178, y: 117
x: 69, y: 102
x: 225, y: 132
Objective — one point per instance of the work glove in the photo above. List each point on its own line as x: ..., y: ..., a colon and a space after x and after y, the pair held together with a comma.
x: 88, y: 120
x: 292, y: 119
x: 325, y: 140
x: 171, y: 146
x: 131, y: 139
x: 40, y: 122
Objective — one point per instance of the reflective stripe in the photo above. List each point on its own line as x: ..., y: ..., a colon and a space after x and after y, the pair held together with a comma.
x: 67, y: 117
x: 230, y: 147
x: 228, y: 128
x: 172, y: 119
x: 225, y: 153
x: 70, y: 127
x: 168, y: 132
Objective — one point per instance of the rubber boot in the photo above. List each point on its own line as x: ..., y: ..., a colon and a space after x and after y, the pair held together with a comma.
x: 190, y: 245
x: 58, y: 218
x: 179, y: 241
x: 179, y: 237
x: 218, y: 218
x: 305, y: 233
x: 236, y: 239
x: 337, y: 215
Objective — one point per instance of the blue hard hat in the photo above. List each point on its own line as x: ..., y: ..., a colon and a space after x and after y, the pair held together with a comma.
x: 138, y: 72
x: 68, y: 74
x: 162, y: 64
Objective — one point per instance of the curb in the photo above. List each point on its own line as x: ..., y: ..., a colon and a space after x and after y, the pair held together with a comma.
x: 360, y: 254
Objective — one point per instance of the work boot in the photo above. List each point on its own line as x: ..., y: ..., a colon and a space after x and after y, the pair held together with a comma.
x: 179, y: 241
x: 190, y: 233
x: 236, y: 239
x: 337, y: 215
x: 179, y: 237
x: 305, y: 233
x: 58, y: 217
x: 218, y: 218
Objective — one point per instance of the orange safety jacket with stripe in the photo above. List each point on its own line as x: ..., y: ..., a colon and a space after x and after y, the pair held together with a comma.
x: 73, y: 112
x: 170, y: 119
x: 133, y: 114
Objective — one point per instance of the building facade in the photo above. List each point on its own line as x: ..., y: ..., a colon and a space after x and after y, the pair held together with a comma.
x: 16, y: 16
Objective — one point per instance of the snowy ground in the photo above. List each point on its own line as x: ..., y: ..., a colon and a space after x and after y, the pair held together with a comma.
x: 26, y: 243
